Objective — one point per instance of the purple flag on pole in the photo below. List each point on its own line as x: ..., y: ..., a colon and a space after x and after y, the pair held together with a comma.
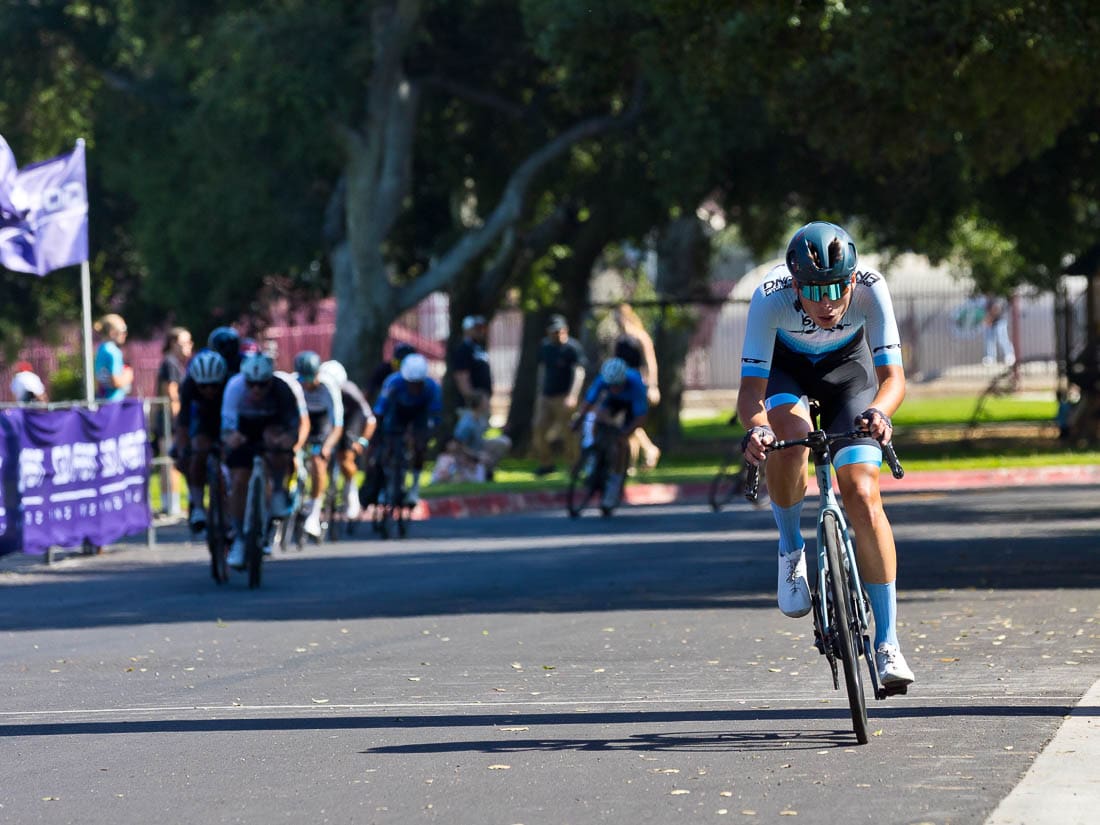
x: 43, y: 212
x: 71, y: 475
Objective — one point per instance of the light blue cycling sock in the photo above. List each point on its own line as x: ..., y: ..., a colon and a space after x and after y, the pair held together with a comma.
x: 788, y: 520
x: 884, y: 604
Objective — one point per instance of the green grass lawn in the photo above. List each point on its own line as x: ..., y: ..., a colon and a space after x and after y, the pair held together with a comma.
x: 707, y: 440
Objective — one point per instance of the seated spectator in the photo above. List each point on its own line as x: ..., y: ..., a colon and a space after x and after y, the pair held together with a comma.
x: 456, y: 463
x: 26, y: 386
x: 473, y: 423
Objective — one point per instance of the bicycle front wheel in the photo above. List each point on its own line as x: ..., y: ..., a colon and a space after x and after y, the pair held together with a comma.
x: 841, y: 625
x: 582, y: 481
x: 216, y: 521
x: 254, y: 532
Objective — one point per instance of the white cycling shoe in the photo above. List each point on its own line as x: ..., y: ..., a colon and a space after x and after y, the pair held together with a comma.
x: 893, y: 671
x: 793, y: 589
x: 312, y: 525
x: 355, y: 509
x: 235, y: 558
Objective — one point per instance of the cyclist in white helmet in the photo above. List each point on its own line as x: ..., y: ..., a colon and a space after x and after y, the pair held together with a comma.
x: 197, y: 426
x: 617, y: 397
x: 359, y: 425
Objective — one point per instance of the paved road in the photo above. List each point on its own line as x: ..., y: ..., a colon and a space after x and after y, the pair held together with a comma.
x: 532, y: 669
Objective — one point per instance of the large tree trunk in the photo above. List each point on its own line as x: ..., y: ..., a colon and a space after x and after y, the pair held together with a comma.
x: 683, y: 254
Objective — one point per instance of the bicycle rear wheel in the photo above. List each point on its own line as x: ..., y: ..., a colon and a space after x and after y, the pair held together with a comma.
x: 841, y: 625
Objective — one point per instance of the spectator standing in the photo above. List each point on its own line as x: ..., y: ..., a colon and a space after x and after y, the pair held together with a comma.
x: 998, y: 345
x: 26, y: 386
x: 635, y: 346
x: 113, y: 376
x: 470, y: 361
x: 178, y: 344
x: 561, y: 369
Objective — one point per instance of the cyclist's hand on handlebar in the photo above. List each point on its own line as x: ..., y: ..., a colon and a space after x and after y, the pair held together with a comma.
x: 755, y: 443
x: 876, y: 423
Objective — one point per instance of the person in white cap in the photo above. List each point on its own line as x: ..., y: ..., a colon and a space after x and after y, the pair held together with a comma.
x: 26, y: 386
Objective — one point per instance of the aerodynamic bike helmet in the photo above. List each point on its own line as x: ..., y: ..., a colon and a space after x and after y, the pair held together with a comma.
x: 307, y: 364
x: 257, y: 368
x: 414, y: 367
x: 401, y: 350
x: 613, y: 371
x: 226, y: 341
x: 207, y: 367
x: 821, y: 252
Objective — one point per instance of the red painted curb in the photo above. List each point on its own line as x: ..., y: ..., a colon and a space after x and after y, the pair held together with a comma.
x: 492, y: 503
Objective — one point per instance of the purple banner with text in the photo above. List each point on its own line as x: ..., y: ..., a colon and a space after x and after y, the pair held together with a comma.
x: 73, y: 475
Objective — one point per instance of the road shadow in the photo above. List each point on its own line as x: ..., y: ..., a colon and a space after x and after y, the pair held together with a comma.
x: 667, y: 558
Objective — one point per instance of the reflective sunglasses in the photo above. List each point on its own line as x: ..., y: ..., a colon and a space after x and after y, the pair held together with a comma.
x: 833, y: 290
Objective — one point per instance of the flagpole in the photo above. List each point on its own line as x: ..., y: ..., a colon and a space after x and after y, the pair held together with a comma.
x: 86, y: 290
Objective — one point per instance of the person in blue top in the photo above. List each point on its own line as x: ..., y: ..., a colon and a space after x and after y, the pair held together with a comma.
x: 113, y: 377
x: 822, y: 328
x: 410, y: 402
x: 618, y: 397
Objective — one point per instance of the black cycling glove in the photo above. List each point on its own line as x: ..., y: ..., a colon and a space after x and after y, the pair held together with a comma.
x: 763, y: 430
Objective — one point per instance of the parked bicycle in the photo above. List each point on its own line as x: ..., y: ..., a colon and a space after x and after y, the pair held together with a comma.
x: 840, y: 606
x: 590, y: 476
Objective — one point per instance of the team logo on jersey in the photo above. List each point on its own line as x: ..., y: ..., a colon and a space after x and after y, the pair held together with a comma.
x: 868, y: 278
x: 775, y: 285
x: 885, y: 348
x: 753, y: 361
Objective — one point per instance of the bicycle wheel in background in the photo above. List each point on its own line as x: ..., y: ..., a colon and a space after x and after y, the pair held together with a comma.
x: 726, y: 484
x: 841, y: 624
x: 330, y: 525
x: 582, y: 482
x: 216, y: 521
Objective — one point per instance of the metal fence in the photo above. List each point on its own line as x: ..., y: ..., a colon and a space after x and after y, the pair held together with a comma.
x: 938, y: 332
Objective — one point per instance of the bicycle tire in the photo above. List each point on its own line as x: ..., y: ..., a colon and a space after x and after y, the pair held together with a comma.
x: 840, y: 622
x: 581, y: 484
x: 215, y: 520
x: 725, y: 485
x: 254, y: 534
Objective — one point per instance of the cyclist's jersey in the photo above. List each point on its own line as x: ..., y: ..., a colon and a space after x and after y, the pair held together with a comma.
x: 325, y: 408
x: 779, y: 328
x: 632, y: 398
x: 397, y: 400
x: 199, y: 414
x: 355, y: 403
x: 283, y: 405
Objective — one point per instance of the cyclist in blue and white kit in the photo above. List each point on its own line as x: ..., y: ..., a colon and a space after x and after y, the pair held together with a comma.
x: 819, y: 327
x: 326, y: 426
x: 410, y: 402
x: 619, y: 397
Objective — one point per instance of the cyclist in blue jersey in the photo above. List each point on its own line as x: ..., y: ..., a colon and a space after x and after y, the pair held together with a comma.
x: 618, y: 397
x: 819, y: 327
x: 410, y: 402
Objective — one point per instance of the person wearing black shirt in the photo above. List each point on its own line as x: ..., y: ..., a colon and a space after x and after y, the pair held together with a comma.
x: 560, y: 374
x: 470, y: 360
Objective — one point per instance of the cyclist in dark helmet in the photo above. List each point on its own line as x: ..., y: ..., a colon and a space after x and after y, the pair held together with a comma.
x: 387, y: 368
x: 226, y: 341
x: 820, y: 327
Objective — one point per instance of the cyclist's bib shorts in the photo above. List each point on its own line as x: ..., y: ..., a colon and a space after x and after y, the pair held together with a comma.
x: 252, y: 428
x: 844, y: 383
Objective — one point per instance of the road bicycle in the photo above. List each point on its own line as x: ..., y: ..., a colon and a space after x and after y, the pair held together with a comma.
x: 334, y: 504
x: 840, y: 605
x: 291, y: 529
x: 589, y: 477
x: 391, y: 510
x: 261, y: 525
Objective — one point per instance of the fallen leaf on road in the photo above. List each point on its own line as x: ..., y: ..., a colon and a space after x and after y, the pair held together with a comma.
x: 500, y: 767
x: 679, y: 792
x: 320, y: 701
x: 514, y: 729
